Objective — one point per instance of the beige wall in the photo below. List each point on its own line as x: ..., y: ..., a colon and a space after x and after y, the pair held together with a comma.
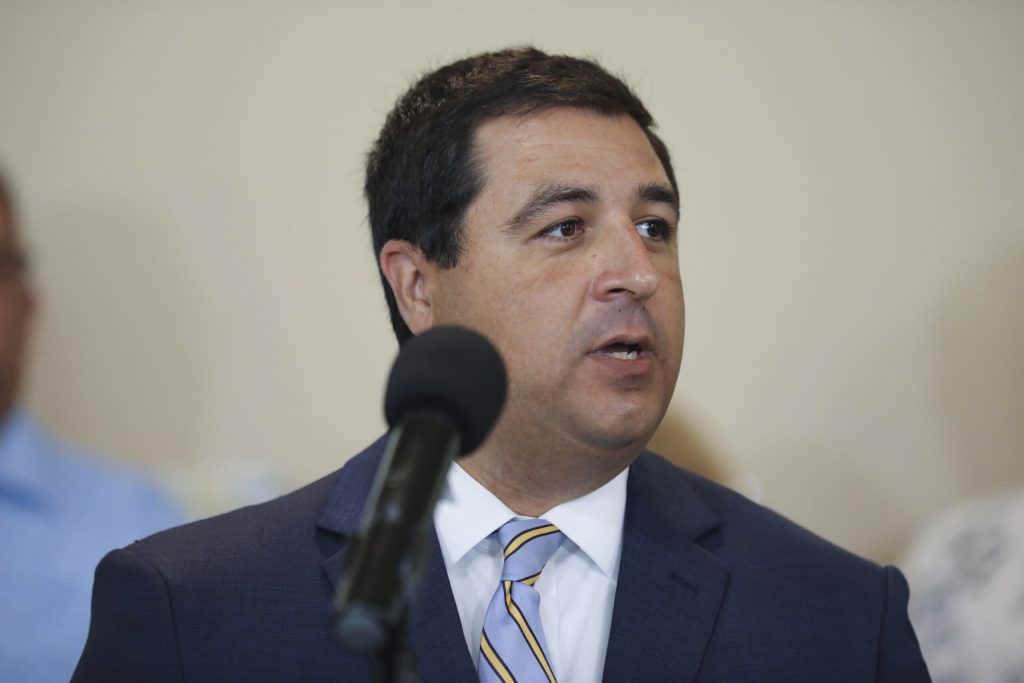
x: 852, y: 242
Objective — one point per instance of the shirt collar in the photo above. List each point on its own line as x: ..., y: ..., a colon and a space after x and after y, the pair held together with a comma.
x: 594, y: 523
x: 467, y: 513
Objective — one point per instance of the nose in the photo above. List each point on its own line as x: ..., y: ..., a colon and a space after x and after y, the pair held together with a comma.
x: 626, y: 268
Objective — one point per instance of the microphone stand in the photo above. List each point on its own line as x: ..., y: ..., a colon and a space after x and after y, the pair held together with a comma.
x: 445, y: 393
x: 370, y: 614
x: 395, y: 661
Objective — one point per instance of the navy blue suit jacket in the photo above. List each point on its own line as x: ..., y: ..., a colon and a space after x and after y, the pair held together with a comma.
x: 711, y: 587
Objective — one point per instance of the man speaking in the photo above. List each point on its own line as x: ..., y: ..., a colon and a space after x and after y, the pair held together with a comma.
x: 525, y: 196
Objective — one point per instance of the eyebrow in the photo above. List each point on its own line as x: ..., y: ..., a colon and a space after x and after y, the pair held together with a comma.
x: 659, y: 194
x: 547, y: 196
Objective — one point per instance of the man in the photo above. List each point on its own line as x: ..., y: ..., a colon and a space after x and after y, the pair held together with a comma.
x: 526, y: 196
x: 60, y: 511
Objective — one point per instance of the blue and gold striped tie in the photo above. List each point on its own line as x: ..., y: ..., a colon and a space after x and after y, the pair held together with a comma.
x: 512, y: 646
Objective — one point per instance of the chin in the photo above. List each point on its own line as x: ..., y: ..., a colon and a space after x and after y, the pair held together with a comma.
x: 630, y: 430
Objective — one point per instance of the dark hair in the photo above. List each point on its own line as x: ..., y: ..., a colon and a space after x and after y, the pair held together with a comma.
x: 6, y: 197
x: 422, y: 175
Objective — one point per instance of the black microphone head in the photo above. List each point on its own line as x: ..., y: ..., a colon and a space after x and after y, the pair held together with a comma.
x: 453, y: 371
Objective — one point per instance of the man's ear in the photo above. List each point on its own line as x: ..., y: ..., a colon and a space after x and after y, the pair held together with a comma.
x: 411, y: 277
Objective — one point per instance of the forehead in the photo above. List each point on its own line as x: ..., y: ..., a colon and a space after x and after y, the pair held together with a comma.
x: 566, y: 144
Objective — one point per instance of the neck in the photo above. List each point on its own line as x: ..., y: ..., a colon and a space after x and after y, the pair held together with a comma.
x: 531, y: 482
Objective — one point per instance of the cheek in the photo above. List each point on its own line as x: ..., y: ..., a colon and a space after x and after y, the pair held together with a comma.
x: 487, y: 304
x: 12, y: 309
x: 527, y: 309
x: 670, y: 295
x: 536, y: 338
x: 12, y: 324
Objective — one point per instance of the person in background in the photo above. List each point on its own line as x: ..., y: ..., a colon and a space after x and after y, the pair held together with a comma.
x: 967, y: 570
x: 60, y: 510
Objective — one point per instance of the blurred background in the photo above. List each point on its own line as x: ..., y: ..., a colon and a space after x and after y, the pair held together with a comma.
x: 852, y: 242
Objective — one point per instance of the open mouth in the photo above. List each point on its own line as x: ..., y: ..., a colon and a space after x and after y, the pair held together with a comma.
x: 621, y: 351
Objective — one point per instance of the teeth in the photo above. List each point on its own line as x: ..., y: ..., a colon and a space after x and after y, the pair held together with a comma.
x: 624, y: 355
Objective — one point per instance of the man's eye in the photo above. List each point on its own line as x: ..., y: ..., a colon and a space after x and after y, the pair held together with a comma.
x: 564, y: 229
x: 653, y: 229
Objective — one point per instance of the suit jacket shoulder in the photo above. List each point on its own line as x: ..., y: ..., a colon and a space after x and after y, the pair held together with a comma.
x: 240, y: 596
x: 713, y: 586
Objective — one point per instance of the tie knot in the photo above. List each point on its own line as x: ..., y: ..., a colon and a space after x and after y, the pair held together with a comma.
x: 527, y: 545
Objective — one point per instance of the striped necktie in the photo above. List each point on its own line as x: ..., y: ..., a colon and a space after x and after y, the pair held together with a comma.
x: 512, y: 646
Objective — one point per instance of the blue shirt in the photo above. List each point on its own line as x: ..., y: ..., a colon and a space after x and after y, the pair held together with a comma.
x: 60, y: 512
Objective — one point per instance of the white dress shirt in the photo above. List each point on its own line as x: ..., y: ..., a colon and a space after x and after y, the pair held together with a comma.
x: 577, y: 587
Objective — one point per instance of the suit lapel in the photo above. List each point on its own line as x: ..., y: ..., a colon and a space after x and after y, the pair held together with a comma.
x: 344, y: 509
x: 669, y: 587
x: 435, y: 630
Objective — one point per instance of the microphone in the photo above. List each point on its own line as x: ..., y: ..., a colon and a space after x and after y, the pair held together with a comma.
x: 445, y: 393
